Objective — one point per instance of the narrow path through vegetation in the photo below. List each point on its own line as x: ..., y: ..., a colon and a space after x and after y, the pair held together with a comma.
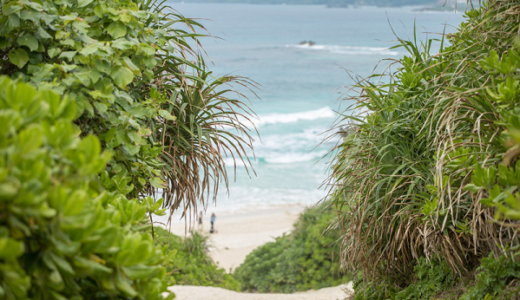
x: 186, y: 292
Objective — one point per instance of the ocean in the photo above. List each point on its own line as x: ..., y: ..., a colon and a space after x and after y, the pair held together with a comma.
x: 301, y: 85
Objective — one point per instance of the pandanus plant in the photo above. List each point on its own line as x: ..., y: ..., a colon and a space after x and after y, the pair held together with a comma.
x: 208, y: 125
x: 203, y: 119
x: 416, y: 175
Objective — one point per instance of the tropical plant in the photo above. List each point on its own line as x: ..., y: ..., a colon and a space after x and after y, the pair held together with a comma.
x: 92, y: 51
x: 62, y: 234
x: 299, y: 261
x: 128, y: 66
x: 429, y: 279
x: 497, y: 278
x: 150, y: 117
x: 404, y: 168
x: 207, y: 127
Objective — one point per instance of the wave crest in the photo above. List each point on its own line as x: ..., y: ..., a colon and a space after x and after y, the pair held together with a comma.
x: 348, y: 50
x: 278, y: 118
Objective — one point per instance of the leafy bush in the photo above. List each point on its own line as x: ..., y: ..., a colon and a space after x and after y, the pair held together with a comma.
x: 300, y: 261
x: 497, y: 277
x: 138, y: 86
x: 191, y: 264
x: 62, y: 235
x: 494, y: 279
x: 429, y: 279
x: 93, y: 51
x: 151, y: 117
x: 497, y: 185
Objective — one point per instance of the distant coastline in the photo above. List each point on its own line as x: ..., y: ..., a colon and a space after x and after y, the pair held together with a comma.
x: 420, y: 5
x: 330, y: 3
x: 444, y: 8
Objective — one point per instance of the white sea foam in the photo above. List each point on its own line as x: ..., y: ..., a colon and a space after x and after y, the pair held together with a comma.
x: 280, y: 118
x: 230, y: 162
x: 292, y: 157
x: 307, y: 139
x: 245, y: 199
x: 252, y: 198
x: 289, y: 148
x: 348, y: 50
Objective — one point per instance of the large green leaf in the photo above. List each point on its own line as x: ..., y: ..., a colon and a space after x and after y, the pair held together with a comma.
x: 18, y: 57
x: 122, y: 76
x: 83, y: 3
x: 116, y: 29
x: 28, y: 40
x: 163, y: 113
x: 53, y: 52
x: 68, y: 55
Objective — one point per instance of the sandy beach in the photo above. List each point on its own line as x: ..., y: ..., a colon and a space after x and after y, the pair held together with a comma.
x: 237, y: 234
x: 213, y: 293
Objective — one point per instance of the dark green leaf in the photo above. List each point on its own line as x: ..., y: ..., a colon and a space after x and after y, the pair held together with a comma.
x: 18, y: 57
x: 28, y: 40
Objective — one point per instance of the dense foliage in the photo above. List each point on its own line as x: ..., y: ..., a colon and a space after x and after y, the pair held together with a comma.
x: 429, y: 165
x: 497, y: 278
x: 429, y: 279
x: 299, y: 261
x: 91, y: 50
x: 191, y: 264
x: 137, y: 85
x: 125, y: 109
x: 62, y: 235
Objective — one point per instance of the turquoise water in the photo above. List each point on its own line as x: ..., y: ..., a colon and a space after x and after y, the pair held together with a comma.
x: 300, y: 85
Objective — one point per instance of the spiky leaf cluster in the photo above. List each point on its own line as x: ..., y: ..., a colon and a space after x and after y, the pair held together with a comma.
x: 415, y: 169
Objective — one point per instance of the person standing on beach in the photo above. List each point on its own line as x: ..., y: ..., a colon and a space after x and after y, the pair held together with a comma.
x: 200, y: 221
x: 213, y: 217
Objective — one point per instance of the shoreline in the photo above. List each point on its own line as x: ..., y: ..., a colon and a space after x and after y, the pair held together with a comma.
x: 239, y: 233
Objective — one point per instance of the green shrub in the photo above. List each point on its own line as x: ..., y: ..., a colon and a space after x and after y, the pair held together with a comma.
x: 93, y: 51
x: 370, y: 290
x: 138, y: 86
x: 431, y: 156
x: 429, y: 278
x: 493, y: 278
x: 300, y: 261
x: 151, y: 118
x: 191, y: 264
x: 62, y: 235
